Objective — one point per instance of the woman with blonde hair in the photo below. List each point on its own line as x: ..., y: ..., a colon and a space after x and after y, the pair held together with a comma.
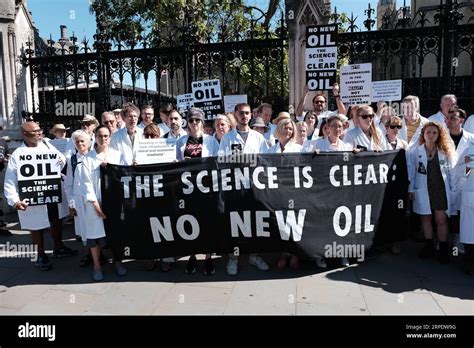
x: 301, y: 132
x: 285, y: 133
x: 429, y: 172
x: 367, y: 136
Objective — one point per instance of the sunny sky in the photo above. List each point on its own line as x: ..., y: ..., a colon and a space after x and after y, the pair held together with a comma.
x: 50, y: 14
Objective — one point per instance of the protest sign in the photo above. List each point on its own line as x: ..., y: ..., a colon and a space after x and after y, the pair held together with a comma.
x: 390, y: 90
x: 230, y: 101
x: 208, y: 97
x: 151, y: 151
x: 299, y: 203
x: 356, y: 84
x: 39, y: 177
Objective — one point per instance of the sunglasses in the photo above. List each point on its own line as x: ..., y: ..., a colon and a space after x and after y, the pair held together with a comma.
x: 395, y: 126
x: 244, y: 112
x: 319, y: 102
x: 364, y: 117
x: 194, y: 120
x: 34, y: 132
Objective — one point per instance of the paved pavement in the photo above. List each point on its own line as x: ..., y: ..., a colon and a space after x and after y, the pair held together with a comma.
x: 396, y: 285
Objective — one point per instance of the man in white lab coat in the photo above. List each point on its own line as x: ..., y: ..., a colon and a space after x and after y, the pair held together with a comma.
x: 36, y: 218
x: 245, y: 140
x: 448, y: 101
x: 126, y: 139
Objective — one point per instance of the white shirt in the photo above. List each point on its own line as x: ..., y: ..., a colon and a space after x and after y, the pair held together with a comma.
x: 232, y: 140
x: 469, y: 124
x: 288, y: 148
x: 324, y: 145
x: 121, y: 142
x: 181, y: 134
x: 356, y: 137
x: 440, y: 118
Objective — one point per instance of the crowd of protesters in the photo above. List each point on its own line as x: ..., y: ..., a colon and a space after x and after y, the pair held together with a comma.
x: 441, y: 186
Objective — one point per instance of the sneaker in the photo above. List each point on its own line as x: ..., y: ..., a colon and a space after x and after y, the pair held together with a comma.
x: 97, y: 275
x: 191, y: 265
x: 345, y: 262
x: 120, y: 270
x: 43, y: 263
x: 209, y: 267
x: 321, y: 263
x: 233, y: 267
x: 64, y: 251
x: 258, y: 262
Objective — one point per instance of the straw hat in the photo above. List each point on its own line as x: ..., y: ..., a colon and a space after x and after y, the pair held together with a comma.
x: 89, y: 119
x: 281, y: 116
x: 258, y: 122
x: 58, y: 127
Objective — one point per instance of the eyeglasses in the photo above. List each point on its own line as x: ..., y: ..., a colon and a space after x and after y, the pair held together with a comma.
x: 364, y: 117
x: 244, y: 112
x: 194, y: 120
x: 395, y: 126
x: 110, y: 121
x: 319, y: 102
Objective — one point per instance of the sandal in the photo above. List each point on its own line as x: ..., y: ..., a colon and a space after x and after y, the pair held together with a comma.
x: 150, y: 265
x: 294, y: 262
x: 85, y: 261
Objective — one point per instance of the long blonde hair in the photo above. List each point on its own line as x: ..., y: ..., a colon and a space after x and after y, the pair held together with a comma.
x: 443, y: 143
x: 372, y: 128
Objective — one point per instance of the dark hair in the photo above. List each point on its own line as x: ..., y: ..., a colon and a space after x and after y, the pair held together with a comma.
x: 147, y: 106
x: 319, y: 95
x: 239, y: 105
x: 151, y: 129
x: 459, y: 111
x: 100, y: 127
x: 129, y: 107
x: 309, y: 113
x: 323, y: 123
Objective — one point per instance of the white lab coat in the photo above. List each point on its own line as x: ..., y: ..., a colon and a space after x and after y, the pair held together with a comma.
x: 404, y: 134
x: 72, y: 186
x: 170, y: 135
x: 469, y: 124
x: 90, y: 190
x: 35, y: 217
x: 419, y: 182
x: 464, y: 183
x: 121, y: 142
x: 210, y: 146
x: 440, y: 118
x: 255, y: 142
x: 163, y: 129
x: 323, y: 145
x: 461, y: 151
x: 290, y: 147
x: 356, y: 136
x: 401, y: 144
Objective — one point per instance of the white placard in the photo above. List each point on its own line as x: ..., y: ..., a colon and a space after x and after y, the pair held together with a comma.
x: 470, y: 152
x: 389, y: 90
x: 152, y: 151
x: 184, y: 101
x: 207, y: 96
x: 39, y: 177
x: 356, y: 83
x: 60, y: 144
x: 230, y: 101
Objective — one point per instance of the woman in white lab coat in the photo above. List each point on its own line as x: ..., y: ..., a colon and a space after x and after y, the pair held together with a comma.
x: 429, y: 172
x: 72, y: 184
x: 94, y: 236
x: 285, y: 133
x: 367, y: 136
x: 464, y: 182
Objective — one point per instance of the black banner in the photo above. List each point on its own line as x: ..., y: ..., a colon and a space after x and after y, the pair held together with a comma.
x: 307, y: 204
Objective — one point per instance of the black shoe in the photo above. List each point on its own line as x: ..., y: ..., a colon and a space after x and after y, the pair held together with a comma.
x: 43, y: 263
x: 443, y: 256
x: 191, y: 265
x: 78, y: 239
x: 427, y: 252
x: 209, y: 267
x: 4, y: 232
x: 64, y: 251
